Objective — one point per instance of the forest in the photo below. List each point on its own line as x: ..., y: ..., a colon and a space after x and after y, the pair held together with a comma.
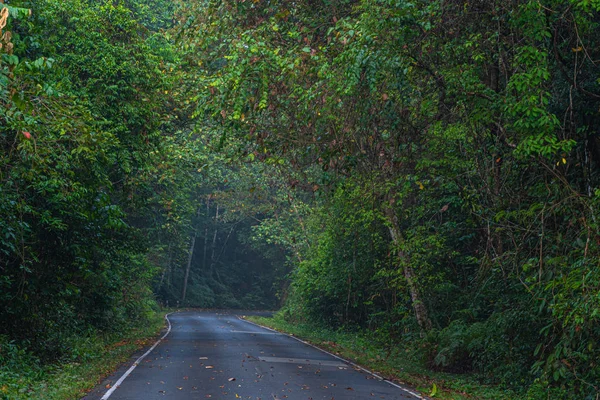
x: 424, y: 172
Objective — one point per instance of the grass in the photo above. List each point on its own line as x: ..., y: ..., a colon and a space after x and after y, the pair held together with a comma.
x: 397, y: 366
x: 97, y: 357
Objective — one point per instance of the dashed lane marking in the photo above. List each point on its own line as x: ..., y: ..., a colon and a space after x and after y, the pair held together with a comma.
x: 302, y: 361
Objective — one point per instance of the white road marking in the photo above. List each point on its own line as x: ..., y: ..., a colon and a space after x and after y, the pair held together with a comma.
x: 136, y: 363
x: 418, y: 396
x: 303, y: 361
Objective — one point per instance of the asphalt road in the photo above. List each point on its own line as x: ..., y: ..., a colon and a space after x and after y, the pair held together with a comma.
x: 219, y: 356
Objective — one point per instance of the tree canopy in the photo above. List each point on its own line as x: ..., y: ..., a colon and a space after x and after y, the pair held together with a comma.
x: 422, y: 171
x: 449, y: 154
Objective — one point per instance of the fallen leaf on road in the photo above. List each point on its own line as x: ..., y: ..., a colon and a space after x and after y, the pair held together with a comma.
x: 209, y: 367
x: 231, y: 379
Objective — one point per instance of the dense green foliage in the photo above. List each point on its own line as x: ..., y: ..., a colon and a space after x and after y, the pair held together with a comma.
x: 102, y: 181
x: 422, y: 171
x: 454, y: 207
x: 74, y: 142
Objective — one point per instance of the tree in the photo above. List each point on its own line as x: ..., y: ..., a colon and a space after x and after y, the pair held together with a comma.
x: 469, y: 126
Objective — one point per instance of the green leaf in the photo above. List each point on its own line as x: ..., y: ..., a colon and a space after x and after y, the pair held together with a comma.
x: 434, y: 391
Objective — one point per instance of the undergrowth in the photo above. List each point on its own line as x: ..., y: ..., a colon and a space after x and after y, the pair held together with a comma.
x: 401, y: 365
x: 90, y: 358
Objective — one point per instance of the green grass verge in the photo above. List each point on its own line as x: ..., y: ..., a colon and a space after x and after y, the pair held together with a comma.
x: 97, y: 357
x: 397, y: 365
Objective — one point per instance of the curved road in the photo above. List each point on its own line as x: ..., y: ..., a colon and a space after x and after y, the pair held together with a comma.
x: 216, y: 355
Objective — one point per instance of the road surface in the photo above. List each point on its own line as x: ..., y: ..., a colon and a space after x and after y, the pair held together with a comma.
x: 213, y: 355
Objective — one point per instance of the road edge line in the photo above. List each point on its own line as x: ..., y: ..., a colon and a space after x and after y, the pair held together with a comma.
x: 417, y: 395
x: 137, y: 362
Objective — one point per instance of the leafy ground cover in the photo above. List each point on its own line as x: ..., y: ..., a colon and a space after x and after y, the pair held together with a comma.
x: 92, y: 357
x: 399, y: 365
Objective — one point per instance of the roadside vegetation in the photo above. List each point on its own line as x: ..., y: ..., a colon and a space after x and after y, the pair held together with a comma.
x: 88, y: 359
x: 403, y: 365
x: 102, y: 184
x: 422, y: 173
x: 442, y: 169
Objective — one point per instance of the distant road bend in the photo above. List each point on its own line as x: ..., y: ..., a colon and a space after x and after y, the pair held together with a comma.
x: 212, y: 355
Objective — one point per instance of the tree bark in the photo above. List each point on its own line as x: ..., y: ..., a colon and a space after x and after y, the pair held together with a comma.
x: 190, y: 258
x: 421, y: 312
x: 187, y: 269
x: 165, y: 270
x: 213, y: 247
x: 225, y: 244
x: 206, y: 234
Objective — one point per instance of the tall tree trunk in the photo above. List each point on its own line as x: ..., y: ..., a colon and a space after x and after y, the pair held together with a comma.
x: 190, y: 258
x: 409, y: 274
x: 225, y: 243
x: 165, y: 270
x: 187, y: 269
x: 206, y: 234
x: 213, y: 247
